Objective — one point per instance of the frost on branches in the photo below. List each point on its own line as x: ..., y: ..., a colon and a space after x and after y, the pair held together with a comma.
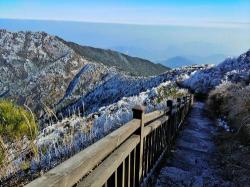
x: 64, y: 138
x: 232, y: 69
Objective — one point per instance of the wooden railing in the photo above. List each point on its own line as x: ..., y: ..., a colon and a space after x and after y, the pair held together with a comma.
x: 125, y: 157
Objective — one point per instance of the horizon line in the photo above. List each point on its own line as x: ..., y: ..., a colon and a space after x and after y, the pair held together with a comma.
x: 206, y: 24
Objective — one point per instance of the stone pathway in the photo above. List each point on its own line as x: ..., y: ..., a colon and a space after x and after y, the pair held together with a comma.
x: 194, y: 160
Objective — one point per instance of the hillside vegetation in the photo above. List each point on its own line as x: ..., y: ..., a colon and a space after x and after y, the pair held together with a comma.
x: 232, y: 101
x: 42, y: 71
x: 18, y: 127
x: 235, y: 70
x: 227, y: 85
x: 120, y: 61
x: 64, y: 138
x: 16, y: 122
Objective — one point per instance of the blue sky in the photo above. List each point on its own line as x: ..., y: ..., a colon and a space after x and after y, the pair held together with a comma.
x: 159, y: 12
x: 152, y: 29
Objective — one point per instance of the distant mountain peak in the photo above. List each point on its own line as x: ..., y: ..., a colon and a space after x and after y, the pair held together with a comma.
x: 177, y: 61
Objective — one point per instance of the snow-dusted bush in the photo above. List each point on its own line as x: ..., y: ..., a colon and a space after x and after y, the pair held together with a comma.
x: 233, y: 102
x: 221, y: 96
x: 62, y: 139
x: 232, y: 69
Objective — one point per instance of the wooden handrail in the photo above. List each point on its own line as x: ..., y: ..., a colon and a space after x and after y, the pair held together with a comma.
x: 73, y: 169
x: 154, y: 115
x: 154, y: 125
x: 126, y: 156
x: 106, y: 168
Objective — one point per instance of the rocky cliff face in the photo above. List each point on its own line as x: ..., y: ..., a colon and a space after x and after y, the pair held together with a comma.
x: 36, y: 68
x: 42, y: 70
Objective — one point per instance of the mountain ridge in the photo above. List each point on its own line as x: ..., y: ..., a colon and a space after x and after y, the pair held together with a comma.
x: 119, y: 60
x: 40, y: 70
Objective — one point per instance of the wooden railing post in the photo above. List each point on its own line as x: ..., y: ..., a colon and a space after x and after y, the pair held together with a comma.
x: 183, y: 108
x: 189, y: 101
x: 138, y: 113
x: 187, y: 104
x: 178, y: 120
x: 170, y: 106
x: 192, y: 99
x: 171, y: 121
x: 178, y: 101
x: 178, y: 106
x: 184, y: 99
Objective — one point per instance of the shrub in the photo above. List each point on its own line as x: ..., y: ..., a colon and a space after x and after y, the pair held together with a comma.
x: 220, y: 98
x: 233, y: 102
x: 16, y: 122
x: 169, y: 93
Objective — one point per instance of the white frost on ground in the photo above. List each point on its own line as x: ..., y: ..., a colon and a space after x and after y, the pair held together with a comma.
x: 67, y: 137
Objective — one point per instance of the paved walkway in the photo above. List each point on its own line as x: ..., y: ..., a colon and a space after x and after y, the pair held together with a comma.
x: 193, y: 161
